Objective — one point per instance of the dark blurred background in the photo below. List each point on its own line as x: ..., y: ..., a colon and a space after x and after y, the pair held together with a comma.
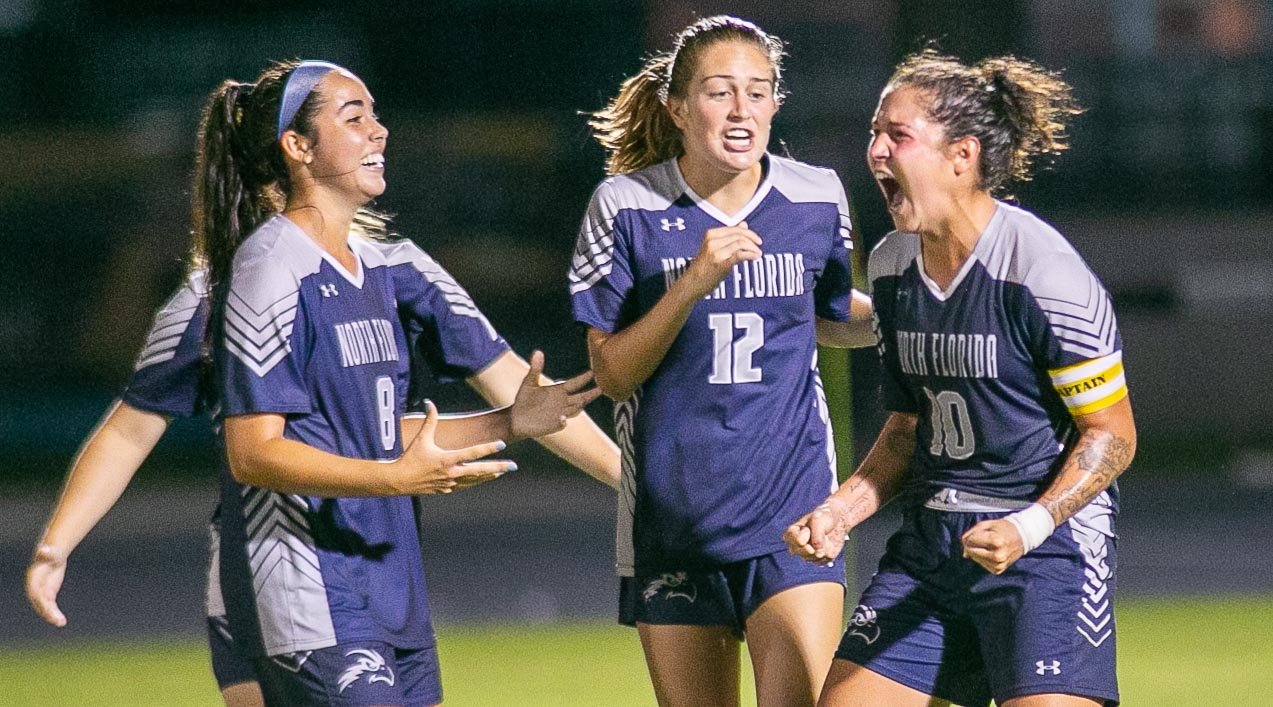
x: 1167, y: 191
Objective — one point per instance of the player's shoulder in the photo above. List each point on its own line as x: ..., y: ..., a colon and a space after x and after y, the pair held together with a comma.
x: 376, y: 252
x: 653, y: 188
x: 1029, y: 251
x: 272, y: 262
x: 893, y: 254
x: 801, y: 182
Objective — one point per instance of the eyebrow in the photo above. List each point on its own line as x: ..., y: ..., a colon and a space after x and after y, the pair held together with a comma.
x: 729, y: 77
x: 356, y: 102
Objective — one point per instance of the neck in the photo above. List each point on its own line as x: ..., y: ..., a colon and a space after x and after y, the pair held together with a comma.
x: 727, y: 191
x: 951, y: 238
x: 326, y: 219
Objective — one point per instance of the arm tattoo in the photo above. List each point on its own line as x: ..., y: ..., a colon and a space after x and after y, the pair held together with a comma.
x: 1097, y: 459
x: 882, y: 472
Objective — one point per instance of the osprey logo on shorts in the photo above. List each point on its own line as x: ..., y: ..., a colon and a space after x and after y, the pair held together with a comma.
x: 369, y: 663
x: 1053, y: 668
x: 673, y: 586
x: 862, y: 624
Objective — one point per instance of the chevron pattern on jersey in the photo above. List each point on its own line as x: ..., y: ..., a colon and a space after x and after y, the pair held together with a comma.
x: 260, y: 338
x: 594, y: 255
x: 1091, y: 529
x: 1085, y: 325
x: 625, y: 435
x: 457, y: 298
x: 824, y: 414
x: 170, y: 324
x: 278, y: 539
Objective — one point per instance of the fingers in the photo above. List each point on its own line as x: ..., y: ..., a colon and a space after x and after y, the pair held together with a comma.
x: 574, y: 385
x: 43, y: 582
x: 457, y: 457
x: 536, y: 366
x: 582, y: 399
x: 985, y: 545
x: 430, y: 426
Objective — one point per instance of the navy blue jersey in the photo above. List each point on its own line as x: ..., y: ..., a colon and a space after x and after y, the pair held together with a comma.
x: 326, y: 348
x: 729, y: 440
x: 165, y: 379
x: 996, y: 364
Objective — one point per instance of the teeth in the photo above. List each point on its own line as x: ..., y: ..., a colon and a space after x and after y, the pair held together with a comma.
x: 374, y: 161
x: 738, y: 134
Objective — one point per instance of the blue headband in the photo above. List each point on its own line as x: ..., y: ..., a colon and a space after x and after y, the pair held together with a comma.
x: 300, y: 83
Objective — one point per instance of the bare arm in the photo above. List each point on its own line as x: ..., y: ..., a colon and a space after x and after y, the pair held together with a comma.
x: 101, y: 471
x: 581, y: 442
x: 819, y: 535
x: 260, y: 456
x: 625, y: 359
x: 856, y: 333
x: 1104, y: 450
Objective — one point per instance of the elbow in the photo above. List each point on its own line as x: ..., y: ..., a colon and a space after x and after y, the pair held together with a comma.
x: 616, y: 390
x: 242, y: 467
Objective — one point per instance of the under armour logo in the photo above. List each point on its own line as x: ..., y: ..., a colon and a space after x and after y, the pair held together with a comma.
x: 328, y: 290
x: 1042, y: 668
x: 669, y: 224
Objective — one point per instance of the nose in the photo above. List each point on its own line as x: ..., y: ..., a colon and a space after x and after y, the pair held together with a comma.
x: 381, y: 133
x: 742, y: 107
x: 878, y: 149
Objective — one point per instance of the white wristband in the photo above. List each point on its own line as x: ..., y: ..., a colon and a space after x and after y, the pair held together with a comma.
x: 1035, y: 525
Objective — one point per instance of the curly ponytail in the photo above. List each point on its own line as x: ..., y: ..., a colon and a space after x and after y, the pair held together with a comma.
x: 1017, y: 110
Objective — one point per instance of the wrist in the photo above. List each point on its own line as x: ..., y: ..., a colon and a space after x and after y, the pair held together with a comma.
x: 1034, y: 523
x: 49, y: 552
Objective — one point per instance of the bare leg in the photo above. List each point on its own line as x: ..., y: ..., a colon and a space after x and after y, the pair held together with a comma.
x: 851, y: 685
x: 691, y: 666
x: 243, y: 694
x: 792, y: 638
x: 1052, y: 700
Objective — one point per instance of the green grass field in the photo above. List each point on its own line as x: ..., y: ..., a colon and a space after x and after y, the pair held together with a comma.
x: 1186, y: 652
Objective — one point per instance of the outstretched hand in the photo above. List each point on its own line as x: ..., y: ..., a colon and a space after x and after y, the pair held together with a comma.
x: 44, y: 580
x: 542, y: 409
x: 426, y: 468
x: 819, y: 535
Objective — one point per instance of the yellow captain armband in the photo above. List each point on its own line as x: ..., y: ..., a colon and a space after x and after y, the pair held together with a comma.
x: 1091, y: 385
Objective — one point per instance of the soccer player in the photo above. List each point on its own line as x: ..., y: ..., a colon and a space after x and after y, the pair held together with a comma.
x: 164, y: 384
x: 706, y: 272
x: 1009, y: 417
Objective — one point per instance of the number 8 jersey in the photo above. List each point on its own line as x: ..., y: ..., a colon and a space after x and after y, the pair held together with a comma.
x: 729, y: 441
x: 995, y: 365
x: 327, y: 349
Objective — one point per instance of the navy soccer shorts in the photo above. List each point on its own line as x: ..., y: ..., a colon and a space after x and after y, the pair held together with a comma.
x: 352, y: 674
x: 230, y: 665
x: 945, y: 626
x: 724, y: 596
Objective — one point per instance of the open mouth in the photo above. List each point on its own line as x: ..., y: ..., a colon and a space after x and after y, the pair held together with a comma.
x: 376, y: 161
x: 739, y: 140
x: 892, y: 191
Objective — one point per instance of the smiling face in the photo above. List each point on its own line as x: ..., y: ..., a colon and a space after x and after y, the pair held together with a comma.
x: 725, y: 116
x: 910, y: 157
x: 347, y: 154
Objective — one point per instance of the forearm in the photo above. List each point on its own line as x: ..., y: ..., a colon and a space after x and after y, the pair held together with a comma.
x: 625, y: 359
x: 1098, y: 458
x: 882, y: 473
x: 581, y: 443
x: 588, y: 449
x: 102, y: 470
x: 855, y: 333
x: 279, y: 464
